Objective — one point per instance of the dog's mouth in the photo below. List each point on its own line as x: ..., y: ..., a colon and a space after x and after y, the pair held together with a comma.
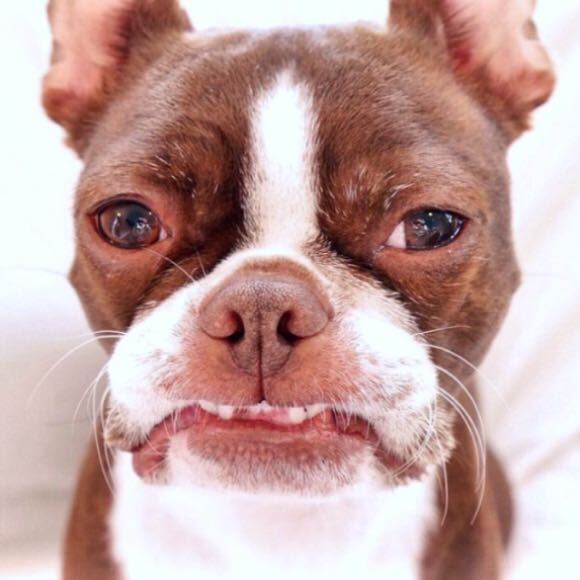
x: 261, y: 435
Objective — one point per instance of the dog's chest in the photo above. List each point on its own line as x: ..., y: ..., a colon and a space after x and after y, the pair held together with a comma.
x: 176, y: 533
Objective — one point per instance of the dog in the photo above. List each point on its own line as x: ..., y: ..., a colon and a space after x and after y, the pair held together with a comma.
x: 297, y: 247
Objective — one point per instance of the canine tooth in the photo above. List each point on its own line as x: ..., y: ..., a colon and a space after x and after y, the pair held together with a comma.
x: 296, y: 414
x: 209, y: 407
x: 225, y: 412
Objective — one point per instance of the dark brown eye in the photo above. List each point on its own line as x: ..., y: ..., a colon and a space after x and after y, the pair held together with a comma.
x: 129, y: 224
x: 426, y: 229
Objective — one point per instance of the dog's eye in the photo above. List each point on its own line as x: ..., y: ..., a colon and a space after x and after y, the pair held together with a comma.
x: 129, y: 224
x: 426, y: 229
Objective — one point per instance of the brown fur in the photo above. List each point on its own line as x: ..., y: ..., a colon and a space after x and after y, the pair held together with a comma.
x: 87, y: 554
x: 464, y: 547
x: 397, y: 125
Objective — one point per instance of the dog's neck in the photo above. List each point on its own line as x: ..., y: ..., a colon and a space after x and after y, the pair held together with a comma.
x: 169, y: 531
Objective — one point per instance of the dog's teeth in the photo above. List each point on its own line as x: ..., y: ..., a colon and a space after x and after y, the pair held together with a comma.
x: 289, y: 415
x: 209, y: 407
x: 296, y: 414
x: 225, y: 412
x: 313, y: 410
x: 259, y: 408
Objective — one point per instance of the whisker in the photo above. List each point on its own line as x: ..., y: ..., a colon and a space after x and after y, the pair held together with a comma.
x: 445, y: 485
x: 479, y: 432
x: 102, y: 409
x: 61, y: 360
x: 35, y: 271
x: 154, y: 470
x: 469, y: 423
x: 200, y: 263
x: 483, y: 376
x: 104, y: 465
x: 92, y: 385
x: 172, y: 262
x: 98, y: 333
x: 441, y: 329
x: 429, y: 432
x: 479, y: 502
x: 480, y: 458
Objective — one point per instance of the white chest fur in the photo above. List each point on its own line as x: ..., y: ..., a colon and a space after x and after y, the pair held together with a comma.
x: 179, y: 533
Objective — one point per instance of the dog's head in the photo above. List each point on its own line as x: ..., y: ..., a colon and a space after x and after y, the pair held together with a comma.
x: 302, y: 235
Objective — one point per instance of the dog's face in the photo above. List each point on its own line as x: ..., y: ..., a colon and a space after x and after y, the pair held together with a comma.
x: 301, y: 235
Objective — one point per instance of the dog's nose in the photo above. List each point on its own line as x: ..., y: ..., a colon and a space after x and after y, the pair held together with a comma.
x: 261, y: 319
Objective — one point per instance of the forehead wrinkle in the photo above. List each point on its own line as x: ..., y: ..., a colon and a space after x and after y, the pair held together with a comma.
x: 281, y: 188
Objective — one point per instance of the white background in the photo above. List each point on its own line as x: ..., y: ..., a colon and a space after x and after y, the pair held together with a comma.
x: 533, y: 387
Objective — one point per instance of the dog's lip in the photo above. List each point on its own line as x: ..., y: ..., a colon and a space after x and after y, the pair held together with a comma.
x: 271, y: 426
x: 324, y: 420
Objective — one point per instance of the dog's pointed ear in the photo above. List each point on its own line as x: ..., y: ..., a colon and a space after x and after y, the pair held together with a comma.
x: 92, y: 40
x: 492, y: 46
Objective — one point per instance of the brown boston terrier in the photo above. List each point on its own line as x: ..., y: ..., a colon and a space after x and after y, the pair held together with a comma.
x: 300, y: 243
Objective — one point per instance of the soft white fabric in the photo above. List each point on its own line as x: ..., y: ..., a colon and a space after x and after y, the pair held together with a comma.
x: 532, y: 390
x: 533, y: 393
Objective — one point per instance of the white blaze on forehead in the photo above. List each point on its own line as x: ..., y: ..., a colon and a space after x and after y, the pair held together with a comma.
x: 281, y: 189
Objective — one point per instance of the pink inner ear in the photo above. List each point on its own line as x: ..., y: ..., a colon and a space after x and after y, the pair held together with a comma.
x: 88, y: 35
x: 499, y: 36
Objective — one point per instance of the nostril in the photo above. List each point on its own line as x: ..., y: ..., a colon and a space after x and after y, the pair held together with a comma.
x: 304, y: 319
x: 222, y: 323
x: 239, y: 331
x: 283, y: 329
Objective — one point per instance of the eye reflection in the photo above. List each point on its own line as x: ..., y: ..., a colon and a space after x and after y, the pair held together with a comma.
x: 426, y: 229
x: 129, y: 225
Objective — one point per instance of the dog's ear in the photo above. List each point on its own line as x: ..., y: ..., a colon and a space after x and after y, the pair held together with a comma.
x: 493, y: 47
x: 92, y: 41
